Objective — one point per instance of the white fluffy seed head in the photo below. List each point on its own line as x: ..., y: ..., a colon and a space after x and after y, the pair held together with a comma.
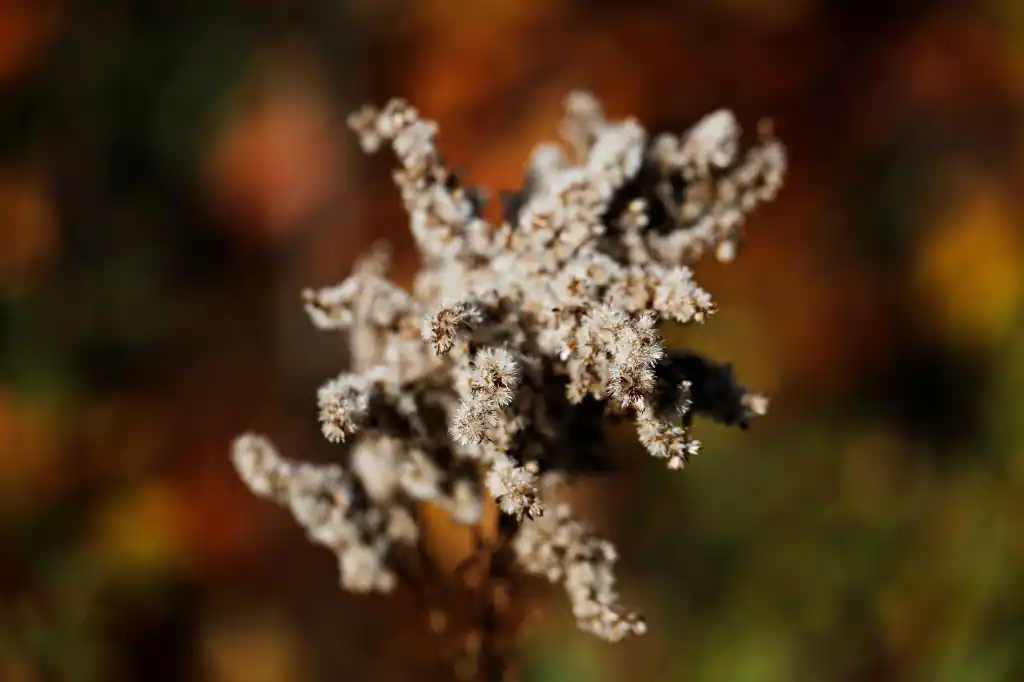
x: 479, y: 380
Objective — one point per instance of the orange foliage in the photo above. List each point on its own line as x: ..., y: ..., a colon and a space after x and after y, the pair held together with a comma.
x: 276, y: 162
x: 29, y: 234
x: 26, y: 28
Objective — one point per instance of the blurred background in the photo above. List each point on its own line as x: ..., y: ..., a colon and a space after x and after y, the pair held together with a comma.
x: 173, y: 173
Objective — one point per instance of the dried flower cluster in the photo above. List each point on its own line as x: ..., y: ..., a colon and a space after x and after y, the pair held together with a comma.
x: 496, y: 374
